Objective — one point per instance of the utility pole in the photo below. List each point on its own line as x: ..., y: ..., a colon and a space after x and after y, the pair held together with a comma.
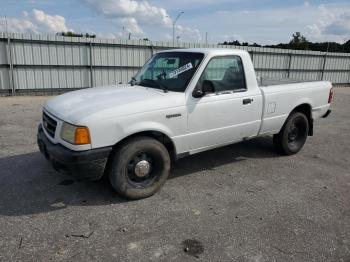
x: 174, y: 22
x: 6, y: 25
x: 206, y: 38
x: 123, y: 33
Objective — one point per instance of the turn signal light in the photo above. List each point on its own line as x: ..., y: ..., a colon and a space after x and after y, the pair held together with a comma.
x: 82, y: 136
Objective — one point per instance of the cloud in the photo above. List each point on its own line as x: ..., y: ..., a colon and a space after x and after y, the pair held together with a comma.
x: 338, y: 28
x: 333, y: 23
x: 328, y: 22
x: 131, y: 12
x: 130, y: 25
x: 222, y: 20
x: 37, y: 21
x: 188, y: 33
x: 48, y: 23
x: 185, y: 5
x: 17, y: 25
x: 141, y: 18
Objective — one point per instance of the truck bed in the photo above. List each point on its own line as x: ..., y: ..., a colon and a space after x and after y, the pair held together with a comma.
x: 263, y: 82
x: 281, y: 97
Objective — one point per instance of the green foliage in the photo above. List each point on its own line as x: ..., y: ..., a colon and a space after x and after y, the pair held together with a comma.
x: 299, y: 42
x: 73, y: 34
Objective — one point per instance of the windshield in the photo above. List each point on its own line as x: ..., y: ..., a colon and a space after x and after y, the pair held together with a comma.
x: 170, y: 71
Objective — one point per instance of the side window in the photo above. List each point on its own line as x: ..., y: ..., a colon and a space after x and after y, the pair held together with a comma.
x: 225, y: 73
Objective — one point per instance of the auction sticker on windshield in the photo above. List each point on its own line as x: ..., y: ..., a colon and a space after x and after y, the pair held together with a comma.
x: 180, y: 70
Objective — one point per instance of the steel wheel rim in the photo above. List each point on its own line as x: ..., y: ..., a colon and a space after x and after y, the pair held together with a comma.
x: 297, y: 132
x: 142, y: 169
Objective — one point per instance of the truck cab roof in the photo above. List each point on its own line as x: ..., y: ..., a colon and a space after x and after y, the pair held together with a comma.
x: 209, y: 51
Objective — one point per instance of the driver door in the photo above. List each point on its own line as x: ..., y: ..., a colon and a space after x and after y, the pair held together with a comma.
x: 230, y: 113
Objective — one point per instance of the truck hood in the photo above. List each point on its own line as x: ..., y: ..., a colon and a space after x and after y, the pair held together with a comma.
x: 110, y: 101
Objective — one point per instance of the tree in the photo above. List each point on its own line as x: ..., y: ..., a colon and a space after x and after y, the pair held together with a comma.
x: 235, y: 42
x: 256, y: 45
x: 73, y: 34
x: 299, y: 42
x: 346, y: 46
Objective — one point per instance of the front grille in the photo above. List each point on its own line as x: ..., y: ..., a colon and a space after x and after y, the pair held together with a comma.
x: 49, y: 125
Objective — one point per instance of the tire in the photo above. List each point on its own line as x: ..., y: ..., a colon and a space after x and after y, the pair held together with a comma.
x: 139, y: 167
x: 293, y: 134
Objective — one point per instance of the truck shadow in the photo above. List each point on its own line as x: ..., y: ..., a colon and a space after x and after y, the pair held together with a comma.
x: 258, y: 148
x: 29, y: 185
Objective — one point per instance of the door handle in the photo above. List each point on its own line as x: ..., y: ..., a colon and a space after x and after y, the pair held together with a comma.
x: 247, y: 101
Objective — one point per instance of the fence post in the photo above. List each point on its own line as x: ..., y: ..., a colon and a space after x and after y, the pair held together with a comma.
x: 324, y: 66
x: 152, y: 49
x: 9, y: 59
x: 349, y: 74
x: 252, y: 56
x: 91, y: 66
x: 290, y: 64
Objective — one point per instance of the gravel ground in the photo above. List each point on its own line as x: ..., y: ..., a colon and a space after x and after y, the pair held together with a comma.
x: 238, y: 203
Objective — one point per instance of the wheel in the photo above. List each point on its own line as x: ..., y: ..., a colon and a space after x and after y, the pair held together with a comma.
x: 139, y: 167
x: 293, y: 134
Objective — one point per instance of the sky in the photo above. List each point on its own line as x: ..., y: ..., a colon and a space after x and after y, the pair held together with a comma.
x: 263, y: 22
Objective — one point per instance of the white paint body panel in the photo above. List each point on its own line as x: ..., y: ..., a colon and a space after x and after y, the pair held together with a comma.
x: 285, y: 98
x: 115, y: 112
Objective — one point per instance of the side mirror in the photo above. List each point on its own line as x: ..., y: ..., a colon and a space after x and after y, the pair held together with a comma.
x: 197, y: 93
x: 207, y: 88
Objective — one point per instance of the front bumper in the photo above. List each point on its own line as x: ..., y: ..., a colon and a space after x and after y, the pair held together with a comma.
x: 89, y: 164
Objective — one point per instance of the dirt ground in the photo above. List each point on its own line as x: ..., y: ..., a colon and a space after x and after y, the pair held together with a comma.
x: 242, y: 202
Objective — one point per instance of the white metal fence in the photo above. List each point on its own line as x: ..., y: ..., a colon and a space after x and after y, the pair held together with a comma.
x: 44, y: 62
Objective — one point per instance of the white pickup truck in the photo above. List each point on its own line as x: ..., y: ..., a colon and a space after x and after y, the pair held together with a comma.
x: 180, y: 103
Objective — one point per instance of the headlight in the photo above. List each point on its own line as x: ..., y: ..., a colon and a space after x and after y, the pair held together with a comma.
x: 77, y: 135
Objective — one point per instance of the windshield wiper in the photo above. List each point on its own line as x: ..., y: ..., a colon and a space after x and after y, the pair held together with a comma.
x: 153, y: 83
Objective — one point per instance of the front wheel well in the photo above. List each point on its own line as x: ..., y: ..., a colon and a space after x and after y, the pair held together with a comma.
x: 307, y: 111
x: 161, y: 137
